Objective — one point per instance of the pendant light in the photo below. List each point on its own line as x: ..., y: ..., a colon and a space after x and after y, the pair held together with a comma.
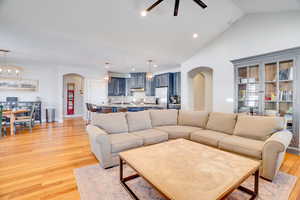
x: 107, y: 76
x: 149, y: 74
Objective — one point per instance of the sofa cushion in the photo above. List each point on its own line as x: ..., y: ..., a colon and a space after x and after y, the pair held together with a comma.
x: 243, y: 146
x: 163, y: 117
x: 258, y: 127
x: 138, y: 121
x: 192, y: 118
x: 111, y: 122
x: 222, y: 122
x: 151, y: 136
x: 208, y: 137
x: 175, y: 132
x: 124, y: 141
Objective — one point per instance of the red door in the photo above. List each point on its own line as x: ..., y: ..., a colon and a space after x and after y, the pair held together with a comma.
x: 70, y: 98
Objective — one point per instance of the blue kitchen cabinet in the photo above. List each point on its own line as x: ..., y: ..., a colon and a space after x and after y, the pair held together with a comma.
x: 138, y: 80
x: 117, y: 87
x: 163, y: 80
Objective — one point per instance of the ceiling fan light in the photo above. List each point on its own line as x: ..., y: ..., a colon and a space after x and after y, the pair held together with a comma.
x: 195, y: 35
x: 144, y: 13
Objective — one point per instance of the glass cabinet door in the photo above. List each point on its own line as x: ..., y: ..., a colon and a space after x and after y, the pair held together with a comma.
x: 248, y: 89
x: 271, y: 104
x: 279, y: 90
x: 286, y: 91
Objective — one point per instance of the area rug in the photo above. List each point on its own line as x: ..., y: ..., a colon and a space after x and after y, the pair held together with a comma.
x: 95, y: 183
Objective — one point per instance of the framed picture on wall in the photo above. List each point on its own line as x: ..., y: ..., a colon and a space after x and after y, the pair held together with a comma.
x: 19, y: 84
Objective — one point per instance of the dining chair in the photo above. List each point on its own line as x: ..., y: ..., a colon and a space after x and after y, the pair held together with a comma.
x: 27, y: 120
x: 2, y: 122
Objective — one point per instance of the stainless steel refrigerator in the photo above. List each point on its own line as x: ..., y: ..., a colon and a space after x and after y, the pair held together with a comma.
x: 162, y: 95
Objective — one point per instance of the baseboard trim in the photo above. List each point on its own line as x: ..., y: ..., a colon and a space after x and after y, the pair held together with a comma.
x: 293, y: 150
x: 72, y: 116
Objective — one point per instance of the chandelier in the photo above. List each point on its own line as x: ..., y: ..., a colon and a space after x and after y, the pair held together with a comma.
x: 8, y: 71
x: 149, y: 74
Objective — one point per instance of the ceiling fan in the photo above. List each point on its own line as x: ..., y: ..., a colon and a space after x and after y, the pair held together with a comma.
x: 199, y: 2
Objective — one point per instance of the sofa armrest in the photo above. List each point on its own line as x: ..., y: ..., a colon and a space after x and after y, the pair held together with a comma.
x: 274, y: 151
x: 100, y: 145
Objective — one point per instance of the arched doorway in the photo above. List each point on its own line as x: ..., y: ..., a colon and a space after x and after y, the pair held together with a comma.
x: 200, y: 93
x: 73, y: 97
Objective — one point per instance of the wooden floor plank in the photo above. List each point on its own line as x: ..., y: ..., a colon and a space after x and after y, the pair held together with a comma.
x: 39, y: 165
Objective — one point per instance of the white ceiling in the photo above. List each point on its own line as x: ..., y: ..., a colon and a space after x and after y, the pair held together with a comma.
x: 81, y: 33
x: 259, y: 6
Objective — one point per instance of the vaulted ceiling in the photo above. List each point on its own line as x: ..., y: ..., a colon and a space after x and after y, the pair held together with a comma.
x: 89, y: 33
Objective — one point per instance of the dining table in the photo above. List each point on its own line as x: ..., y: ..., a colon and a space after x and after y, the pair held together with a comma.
x: 11, y: 114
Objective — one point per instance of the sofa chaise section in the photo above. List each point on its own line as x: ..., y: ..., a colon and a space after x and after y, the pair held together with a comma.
x: 270, y: 131
x: 108, y: 135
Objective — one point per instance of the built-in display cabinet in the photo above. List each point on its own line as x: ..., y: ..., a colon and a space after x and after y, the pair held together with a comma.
x: 269, y: 85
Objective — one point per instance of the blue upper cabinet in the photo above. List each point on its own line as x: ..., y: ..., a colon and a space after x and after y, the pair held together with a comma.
x: 122, y: 86
x: 117, y: 87
x: 138, y: 80
x: 162, y: 80
x: 150, y: 87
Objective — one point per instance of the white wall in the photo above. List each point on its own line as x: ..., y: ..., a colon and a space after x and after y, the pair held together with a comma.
x: 253, y: 34
x: 51, y: 84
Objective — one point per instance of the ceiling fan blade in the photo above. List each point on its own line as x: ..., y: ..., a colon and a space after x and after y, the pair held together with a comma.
x: 176, y: 7
x: 154, y: 5
x: 200, y: 3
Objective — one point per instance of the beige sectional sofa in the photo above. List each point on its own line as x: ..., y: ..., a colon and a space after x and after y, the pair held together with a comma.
x: 261, y: 138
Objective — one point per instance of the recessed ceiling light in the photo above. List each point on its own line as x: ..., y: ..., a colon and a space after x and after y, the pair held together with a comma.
x: 144, y: 13
x: 195, y: 35
x: 155, y: 65
x: 133, y: 69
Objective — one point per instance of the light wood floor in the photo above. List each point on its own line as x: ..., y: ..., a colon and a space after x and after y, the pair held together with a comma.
x: 39, y: 165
